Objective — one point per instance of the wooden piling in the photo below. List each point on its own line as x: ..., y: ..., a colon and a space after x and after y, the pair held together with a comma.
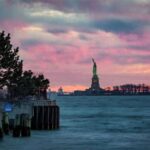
x: 48, y: 115
x: 36, y: 118
x: 46, y: 122
x: 40, y: 119
x: 52, y: 117
x: 33, y: 120
x: 43, y: 117
x: 25, y: 125
x: 1, y: 130
x: 5, y: 123
x: 17, y: 127
x: 57, y: 117
x: 1, y: 133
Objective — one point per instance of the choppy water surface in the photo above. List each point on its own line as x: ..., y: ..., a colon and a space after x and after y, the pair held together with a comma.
x: 93, y: 123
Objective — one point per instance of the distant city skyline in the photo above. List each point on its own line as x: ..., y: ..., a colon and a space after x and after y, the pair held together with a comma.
x: 59, y: 38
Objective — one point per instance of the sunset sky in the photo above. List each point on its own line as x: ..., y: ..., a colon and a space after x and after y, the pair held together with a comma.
x: 59, y: 38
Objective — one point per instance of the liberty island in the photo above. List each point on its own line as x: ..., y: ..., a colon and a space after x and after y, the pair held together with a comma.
x: 96, y: 90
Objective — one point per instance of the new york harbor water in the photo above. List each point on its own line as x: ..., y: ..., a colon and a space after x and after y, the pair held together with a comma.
x: 93, y: 123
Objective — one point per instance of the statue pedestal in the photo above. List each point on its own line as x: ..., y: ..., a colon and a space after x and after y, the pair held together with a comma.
x: 95, y: 87
x: 95, y: 83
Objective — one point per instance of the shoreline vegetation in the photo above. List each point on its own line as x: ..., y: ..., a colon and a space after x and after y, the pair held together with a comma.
x: 123, y: 90
x: 18, y: 82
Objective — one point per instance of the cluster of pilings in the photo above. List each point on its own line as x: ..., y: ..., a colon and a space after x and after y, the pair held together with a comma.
x: 45, y: 118
x: 21, y: 127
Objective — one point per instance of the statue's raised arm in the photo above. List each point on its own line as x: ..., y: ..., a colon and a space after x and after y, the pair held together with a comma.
x: 94, y: 67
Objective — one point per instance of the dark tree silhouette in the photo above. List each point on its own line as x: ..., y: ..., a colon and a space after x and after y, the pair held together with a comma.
x: 26, y: 84
x: 30, y: 84
x: 10, y: 64
x: 18, y: 82
x: 41, y: 85
x: 132, y: 89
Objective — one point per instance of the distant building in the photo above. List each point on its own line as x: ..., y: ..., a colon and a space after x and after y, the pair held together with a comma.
x: 60, y: 91
x: 51, y: 94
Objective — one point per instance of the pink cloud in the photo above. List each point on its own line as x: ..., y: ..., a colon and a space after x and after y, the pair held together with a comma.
x: 12, y: 25
x: 137, y: 39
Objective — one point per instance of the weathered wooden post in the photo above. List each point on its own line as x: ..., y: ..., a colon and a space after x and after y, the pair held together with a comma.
x: 1, y: 130
x: 17, y: 127
x: 57, y: 117
x: 43, y: 116
x: 36, y: 118
x: 33, y: 120
x: 50, y: 119
x: 5, y: 123
x: 40, y: 119
x: 46, y: 117
x: 53, y: 116
x: 25, y: 125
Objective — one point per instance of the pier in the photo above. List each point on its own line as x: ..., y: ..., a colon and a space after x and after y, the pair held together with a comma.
x: 24, y: 115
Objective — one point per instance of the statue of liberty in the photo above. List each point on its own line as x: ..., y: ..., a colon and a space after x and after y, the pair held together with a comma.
x: 94, y: 68
x: 95, y: 79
